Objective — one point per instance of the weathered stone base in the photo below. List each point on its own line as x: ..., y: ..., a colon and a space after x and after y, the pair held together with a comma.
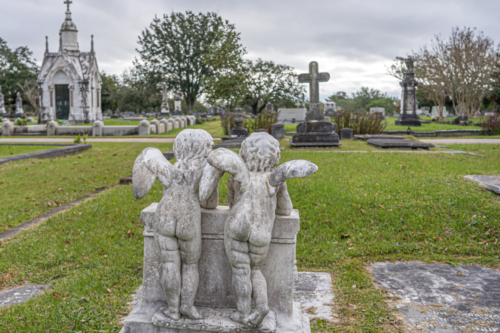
x: 215, y: 320
x: 150, y: 319
x: 409, y: 120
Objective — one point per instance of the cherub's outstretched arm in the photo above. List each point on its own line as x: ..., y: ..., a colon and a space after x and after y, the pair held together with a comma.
x: 149, y: 166
x: 284, y: 203
x: 291, y: 169
x: 232, y: 163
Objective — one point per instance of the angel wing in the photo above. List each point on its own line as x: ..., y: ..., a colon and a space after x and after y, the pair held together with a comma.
x: 149, y: 166
x: 209, y: 181
x: 226, y: 160
x: 291, y: 169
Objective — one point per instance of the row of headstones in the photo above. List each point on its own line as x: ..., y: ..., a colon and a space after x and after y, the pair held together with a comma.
x: 154, y: 126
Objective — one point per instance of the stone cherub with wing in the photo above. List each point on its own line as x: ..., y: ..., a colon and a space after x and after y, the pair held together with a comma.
x: 177, y: 230
x: 256, y: 192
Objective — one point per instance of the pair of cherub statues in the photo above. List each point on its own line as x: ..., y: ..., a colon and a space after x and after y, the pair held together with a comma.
x: 256, y: 192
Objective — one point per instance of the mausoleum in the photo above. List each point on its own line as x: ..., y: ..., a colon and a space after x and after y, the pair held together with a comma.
x: 69, y: 82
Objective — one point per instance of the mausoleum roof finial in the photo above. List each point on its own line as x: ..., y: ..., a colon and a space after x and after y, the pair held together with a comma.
x: 68, y: 24
x: 46, y: 44
x: 60, y: 42
x: 92, y: 43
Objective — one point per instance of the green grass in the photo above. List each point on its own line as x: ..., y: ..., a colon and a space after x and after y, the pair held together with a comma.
x: 33, y: 187
x: 212, y: 127
x: 6, y: 151
x: 391, y: 126
x: 357, y: 209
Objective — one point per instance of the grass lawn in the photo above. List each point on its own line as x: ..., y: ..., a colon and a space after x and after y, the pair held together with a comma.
x: 6, y: 151
x: 33, y: 187
x: 357, y: 209
x: 391, y: 126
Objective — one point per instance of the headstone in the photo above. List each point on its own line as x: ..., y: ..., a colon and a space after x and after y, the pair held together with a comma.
x: 346, y: 133
x: 144, y: 128
x: 315, y: 131
x: 203, y: 295
x: 19, y: 106
x: 290, y: 116
x: 398, y: 144
x: 3, y: 113
x: 177, y: 106
x: 330, y: 108
x: 97, y: 128
x: 435, y: 112
x: 30, y: 120
x: 165, y: 112
x: 460, y: 119
x: 378, y: 110
x: 408, y: 116
x: 442, y: 298
x: 269, y: 107
x: 278, y: 131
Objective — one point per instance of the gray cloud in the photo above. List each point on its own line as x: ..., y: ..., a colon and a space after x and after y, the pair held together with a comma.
x: 352, y: 40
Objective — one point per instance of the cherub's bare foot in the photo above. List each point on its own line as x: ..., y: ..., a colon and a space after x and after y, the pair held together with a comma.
x: 236, y: 317
x: 175, y: 315
x: 258, y: 315
x: 190, y: 311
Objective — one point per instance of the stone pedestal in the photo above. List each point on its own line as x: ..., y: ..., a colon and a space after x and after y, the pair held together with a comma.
x: 215, y: 298
x: 409, y: 120
x: 315, y: 134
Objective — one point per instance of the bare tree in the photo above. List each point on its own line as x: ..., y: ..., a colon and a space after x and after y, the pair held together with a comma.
x: 30, y: 91
x: 458, y: 67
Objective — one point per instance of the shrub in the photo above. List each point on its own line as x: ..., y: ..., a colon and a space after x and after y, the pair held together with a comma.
x: 263, y: 120
x: 199, y: 120
x: 20, y: 122
x: 490, y: 125
x: 229, y: 117
x: 360, y: 122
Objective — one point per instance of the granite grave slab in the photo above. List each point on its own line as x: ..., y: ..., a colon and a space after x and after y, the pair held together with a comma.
x: 20, y: 294
x: 491, y: 183
x: 377, y: 136
x: 398, y: 144
x: 443, y: 298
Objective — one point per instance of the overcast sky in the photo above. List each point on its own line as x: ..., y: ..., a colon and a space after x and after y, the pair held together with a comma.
x: 355, y: 41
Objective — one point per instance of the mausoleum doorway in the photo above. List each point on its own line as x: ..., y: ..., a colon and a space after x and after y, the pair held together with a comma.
x: 62, y: 101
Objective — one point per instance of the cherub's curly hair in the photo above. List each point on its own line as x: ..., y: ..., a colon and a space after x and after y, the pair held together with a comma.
x: 191, y: 146
x: 261, y: 152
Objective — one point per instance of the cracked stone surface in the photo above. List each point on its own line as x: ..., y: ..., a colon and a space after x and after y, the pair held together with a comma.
x: 443, y: 298
x: 491, y: 183
x: 20, y: 294
x: 313, y: 291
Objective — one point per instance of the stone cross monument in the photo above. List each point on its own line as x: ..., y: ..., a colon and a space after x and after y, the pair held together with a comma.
x: 315, y: 131
x: 409, y: 115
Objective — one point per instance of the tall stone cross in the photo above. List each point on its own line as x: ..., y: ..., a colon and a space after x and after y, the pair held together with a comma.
x: 68, y: 2
x: 314, y: 78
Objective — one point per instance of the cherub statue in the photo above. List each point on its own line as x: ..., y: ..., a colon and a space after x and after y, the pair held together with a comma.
x: 177, y: 229
x: 256, y: 192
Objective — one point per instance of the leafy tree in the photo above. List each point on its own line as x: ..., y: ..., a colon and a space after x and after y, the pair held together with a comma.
x: 271, y: 83
x: 138, y: 94
x: 229, y: 83
x: 360, y: 99
x: 109, y: 92
x: 16, y: 66
x: 172, y: 51
x: 389, y: 104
